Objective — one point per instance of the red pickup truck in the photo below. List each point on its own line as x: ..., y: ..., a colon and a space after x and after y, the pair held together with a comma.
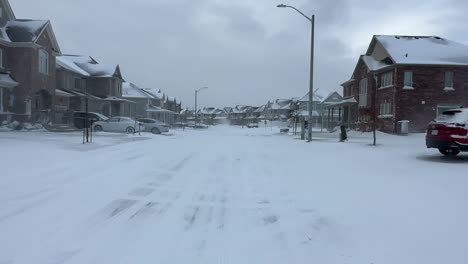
x: 449, y: 132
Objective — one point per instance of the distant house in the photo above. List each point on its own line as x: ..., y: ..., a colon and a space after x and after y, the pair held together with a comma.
x: 212, y: 116
x: 27, y: 67
x: 412, y: 78
x: 241, y: 115
x: 280, y: 109
x: 163, y: 108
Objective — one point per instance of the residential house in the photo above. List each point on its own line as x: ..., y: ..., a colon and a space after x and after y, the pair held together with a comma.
x: 280, y: 109
x: 142, y: 99
x: 212, y: 116
x: 83, y: 77
x: 27, y: 67
x: 413, y: 78
x: 330, y: 116
x: 163, y: 108
x: 240, y: 114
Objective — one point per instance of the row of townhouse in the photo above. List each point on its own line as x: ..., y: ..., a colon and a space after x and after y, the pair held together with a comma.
x: 405, y: 78
x: 152, y: 103
x: 40, y: 84
x: 282, y: 110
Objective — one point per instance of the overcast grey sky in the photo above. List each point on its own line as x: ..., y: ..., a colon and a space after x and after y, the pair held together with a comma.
x: 247, y: 52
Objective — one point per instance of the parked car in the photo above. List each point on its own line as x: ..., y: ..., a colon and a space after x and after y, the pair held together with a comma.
x: 154, y: 126
x: 118, y: 124
x: 252, y: 125
x: 79, y: 118
x: 449, y: 132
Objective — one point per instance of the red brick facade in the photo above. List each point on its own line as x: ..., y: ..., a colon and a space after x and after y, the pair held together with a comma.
x: 419, y: 105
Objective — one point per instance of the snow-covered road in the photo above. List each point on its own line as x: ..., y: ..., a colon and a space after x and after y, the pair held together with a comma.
x: 229, y: 195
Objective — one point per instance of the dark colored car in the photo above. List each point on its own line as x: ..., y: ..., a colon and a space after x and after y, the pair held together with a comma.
x: 449, y: 132
x: 252, y: 125
x: 79, y: 119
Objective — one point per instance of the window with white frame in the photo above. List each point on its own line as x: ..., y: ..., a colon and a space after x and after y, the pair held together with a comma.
x: 43, y: 62
x: 408, y: 79
x: 386, y: 108
x: 363, y: 93
x: 386, y: 79
x: 448, y: 80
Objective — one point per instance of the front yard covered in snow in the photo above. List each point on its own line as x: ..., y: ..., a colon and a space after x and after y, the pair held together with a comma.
x: 230, y: 195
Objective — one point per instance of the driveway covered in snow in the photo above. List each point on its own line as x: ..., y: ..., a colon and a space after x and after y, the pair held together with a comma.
x: 229, y: 195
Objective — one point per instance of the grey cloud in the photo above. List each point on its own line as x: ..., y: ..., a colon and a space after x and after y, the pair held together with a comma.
x: 245, y: 51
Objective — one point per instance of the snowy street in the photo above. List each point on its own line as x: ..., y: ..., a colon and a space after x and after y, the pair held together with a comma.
x: 229, y: 195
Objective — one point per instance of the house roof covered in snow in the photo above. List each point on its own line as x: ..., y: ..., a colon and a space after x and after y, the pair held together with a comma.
x: 87, y: 66
x: 131, y: 90
x: 156, y: 93
x: 72, y: 62
x: 425, y: 50
x: 316, y: 97
x: 25, y: 30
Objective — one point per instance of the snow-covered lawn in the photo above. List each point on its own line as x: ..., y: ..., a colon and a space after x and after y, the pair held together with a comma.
x: 230, y: 195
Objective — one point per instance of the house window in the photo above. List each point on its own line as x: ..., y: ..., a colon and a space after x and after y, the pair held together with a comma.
x: 77, y: 84
x: 363, y: 93
x: 43, y: 62
x: 386, y: 80
x: 408, y: 79
x: 386, y: 108
x: 448, y: 80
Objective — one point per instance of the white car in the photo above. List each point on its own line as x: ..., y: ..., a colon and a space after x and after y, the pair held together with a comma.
x: 154, y: 126
x: 118, y: 124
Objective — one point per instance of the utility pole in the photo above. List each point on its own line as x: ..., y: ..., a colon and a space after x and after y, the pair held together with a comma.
x: 311, y: 74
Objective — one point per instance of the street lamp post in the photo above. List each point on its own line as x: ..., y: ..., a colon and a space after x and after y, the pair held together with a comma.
x: 196, y: 102
x: 311, y: 84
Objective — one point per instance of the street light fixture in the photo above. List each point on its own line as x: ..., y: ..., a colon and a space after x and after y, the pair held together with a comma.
x: 196, y: 101
x: 311, y: 84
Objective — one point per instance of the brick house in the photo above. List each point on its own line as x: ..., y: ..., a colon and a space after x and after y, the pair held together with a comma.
x: 410, y: 78
x: 83, y: 76
x: 27, y: 67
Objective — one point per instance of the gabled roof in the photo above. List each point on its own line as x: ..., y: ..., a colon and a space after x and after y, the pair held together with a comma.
x: 101, y: 70
x: 332, y: 94
x: 71, y: 63
x: 28, y: 31
x: 87, y: 66
x: 156, y: 93
x: 25, y: 30
x: 421, y: 50
x: 316, y: 97
x: 130, y: 90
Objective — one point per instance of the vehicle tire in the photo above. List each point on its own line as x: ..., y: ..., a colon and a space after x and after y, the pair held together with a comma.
x: 449, y: 152
x: 130, y: 130
x: 155, y: 131
x: 98, y: 128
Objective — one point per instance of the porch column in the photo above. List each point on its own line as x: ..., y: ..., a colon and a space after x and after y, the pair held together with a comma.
x: 339, y: 114
x: 349, y: 116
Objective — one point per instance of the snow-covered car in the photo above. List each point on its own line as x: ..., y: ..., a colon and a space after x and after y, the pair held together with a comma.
x: 449, y: 132
x: 154, y: 126
x: 252, y: 125
x: 118, y: 124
